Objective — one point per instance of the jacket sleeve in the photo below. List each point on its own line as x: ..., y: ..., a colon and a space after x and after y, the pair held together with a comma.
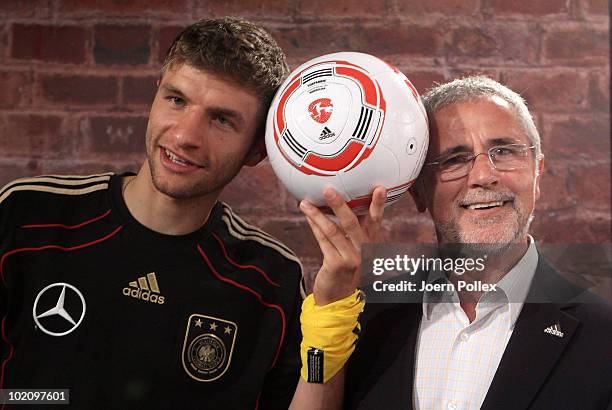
x: 281, y: 381
x: 6, y: 238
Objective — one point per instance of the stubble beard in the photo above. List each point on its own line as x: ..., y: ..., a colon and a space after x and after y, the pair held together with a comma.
x: 481, y: 237
x: 192, y: 190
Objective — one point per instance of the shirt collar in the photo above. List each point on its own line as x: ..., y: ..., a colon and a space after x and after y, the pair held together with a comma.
x: 514, y: 285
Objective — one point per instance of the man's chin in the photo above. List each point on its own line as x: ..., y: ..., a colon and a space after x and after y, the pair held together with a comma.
x: 178, y: 191
x: 492, y: 239
x: 481, y: 248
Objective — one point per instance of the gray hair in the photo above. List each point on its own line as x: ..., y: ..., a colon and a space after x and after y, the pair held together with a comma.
x: 474, y: 87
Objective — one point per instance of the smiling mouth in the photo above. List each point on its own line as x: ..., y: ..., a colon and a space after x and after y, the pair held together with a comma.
x: 484, y: 205
x: 176, y: 159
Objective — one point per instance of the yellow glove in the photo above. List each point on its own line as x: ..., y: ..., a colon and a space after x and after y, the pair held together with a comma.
x: 329, y: 334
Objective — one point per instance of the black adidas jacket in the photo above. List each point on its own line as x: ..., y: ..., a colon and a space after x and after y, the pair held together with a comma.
x: 125, y: 317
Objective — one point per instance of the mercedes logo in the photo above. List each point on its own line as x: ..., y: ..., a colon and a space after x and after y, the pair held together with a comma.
x: 62, y: 302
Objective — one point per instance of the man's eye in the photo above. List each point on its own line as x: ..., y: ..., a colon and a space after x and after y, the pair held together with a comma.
x: 223, y: 120
x: 504, y: 151
x: 457, y: 159
x: 176, y: 101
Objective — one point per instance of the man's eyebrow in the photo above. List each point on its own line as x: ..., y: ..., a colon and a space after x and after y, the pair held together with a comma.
x: 491, y: 143
x: 454, y: 150
x: 503, y: 141
x: 172, y: 89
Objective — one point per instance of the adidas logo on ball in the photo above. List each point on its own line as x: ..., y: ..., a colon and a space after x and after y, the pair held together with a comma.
x: 145, y: 288
x: 327, y: 133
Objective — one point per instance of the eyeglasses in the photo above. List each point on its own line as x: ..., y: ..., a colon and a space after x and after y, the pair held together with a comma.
x: 507, y: 157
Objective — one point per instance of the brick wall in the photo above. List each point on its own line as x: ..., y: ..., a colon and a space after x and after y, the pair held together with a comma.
x: 77, y: 78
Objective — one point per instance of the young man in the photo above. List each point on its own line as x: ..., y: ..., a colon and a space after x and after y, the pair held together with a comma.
x: 492, y: 349
x: 144, y: 291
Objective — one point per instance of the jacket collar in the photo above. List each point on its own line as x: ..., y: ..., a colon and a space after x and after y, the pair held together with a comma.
x: 533, y: 351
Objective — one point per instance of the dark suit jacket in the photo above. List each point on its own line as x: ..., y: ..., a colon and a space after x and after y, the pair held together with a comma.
x: 537, y: 370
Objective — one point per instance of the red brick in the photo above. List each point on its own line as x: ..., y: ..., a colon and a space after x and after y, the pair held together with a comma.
x: 473, y: 42
x: 461, y: 72
x: 253, y: 8
x: 576, y: 137
x: 600, y: 7
x: 378, y: 40
x: 119, y: 8
x: 139, y: 90
x: 62, y: 44
x: 165, y: 36
x: 419, y: 230
x: 301, y: 40
x: 296, y: 234
x: 291, y: 205
x: 525, y: 7
x: 555, y: 187
x: 423, y: 79
x: 3, y: 41
x: 78, y: 90
x: 599, y: 93
x: 550, y: 91
x: 33, y: 135
x: 119, y: 44
x: 592, y: 186
x: 21, y: 9
x: 255, y: 189
x: 509, y: 42
x: 577, y: 46
x: 321, y: 9
x: 567, y: 227
x: 114, y: 137
x: 13, y: 169
x: 447, y: 7
x: 401, y: 39
x: 403, y: 223
x: 16, y: 90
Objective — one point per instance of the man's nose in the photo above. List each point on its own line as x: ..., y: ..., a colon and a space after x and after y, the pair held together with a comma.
x: 189, y: 130
x: 483, y: 173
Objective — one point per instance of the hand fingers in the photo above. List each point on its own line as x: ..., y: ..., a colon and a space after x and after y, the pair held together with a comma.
x: 329, y: 229
x: 376, y: 212
x: 346, y: 217
x: 341, y: 260
x: 327, y: 248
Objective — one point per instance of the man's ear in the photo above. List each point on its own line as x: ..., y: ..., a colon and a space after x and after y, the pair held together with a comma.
x: 257, y: 152
x: 418, y: 194
x: 536, y: 188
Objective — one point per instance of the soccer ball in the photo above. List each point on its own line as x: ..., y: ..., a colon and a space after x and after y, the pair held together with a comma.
x: 350, y: 121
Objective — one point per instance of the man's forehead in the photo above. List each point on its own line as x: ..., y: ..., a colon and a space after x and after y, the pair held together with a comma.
x: 487, y: 118
x: 195, y: 82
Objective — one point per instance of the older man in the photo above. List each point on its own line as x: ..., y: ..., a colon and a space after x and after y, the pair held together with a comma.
x: 484, y: 349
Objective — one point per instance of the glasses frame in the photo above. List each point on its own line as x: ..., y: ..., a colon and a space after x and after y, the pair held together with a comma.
x: 473, y: 157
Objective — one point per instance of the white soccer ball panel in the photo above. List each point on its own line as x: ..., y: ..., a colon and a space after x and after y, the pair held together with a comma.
x: 380, y: 168
x: 373, y: 64
x: 311, y: 187
x: 347, y: 120
x: 407, y: 142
